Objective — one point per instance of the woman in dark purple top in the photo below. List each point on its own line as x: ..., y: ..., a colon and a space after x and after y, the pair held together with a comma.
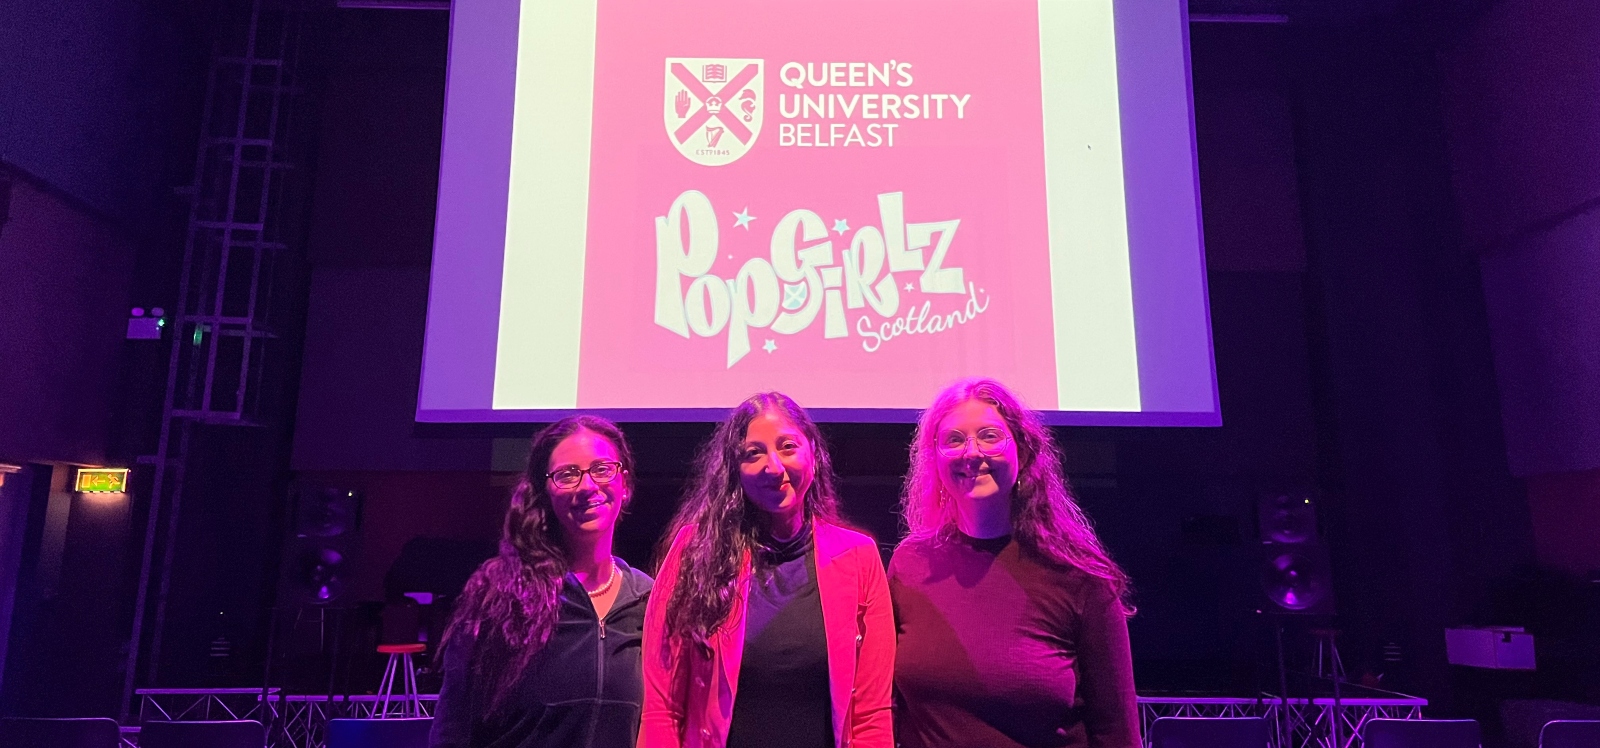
x: 1012, y: 618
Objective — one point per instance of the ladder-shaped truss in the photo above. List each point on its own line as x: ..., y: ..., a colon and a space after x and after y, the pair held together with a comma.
x: 224, y: 367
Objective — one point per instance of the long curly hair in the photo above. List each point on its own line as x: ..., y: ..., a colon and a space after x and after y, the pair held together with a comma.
x: 725, y: 528
x: 510, y: 604
x: 1045, y: 517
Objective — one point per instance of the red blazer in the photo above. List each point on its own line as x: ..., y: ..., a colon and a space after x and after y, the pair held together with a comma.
x: 688, y: 695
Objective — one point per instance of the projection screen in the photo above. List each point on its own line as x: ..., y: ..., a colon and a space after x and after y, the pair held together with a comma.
x: 653, y: 209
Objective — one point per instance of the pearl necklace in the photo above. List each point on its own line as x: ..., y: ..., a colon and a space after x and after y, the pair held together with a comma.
x: 604, y: 588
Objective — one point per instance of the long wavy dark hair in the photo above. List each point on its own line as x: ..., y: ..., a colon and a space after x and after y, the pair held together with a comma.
x: 725, y: 527
x: 1045, y: 517
x: 510, y: 604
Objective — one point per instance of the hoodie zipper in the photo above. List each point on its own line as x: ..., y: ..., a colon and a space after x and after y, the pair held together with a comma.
x: 599, y: 674
x: 600, y: 659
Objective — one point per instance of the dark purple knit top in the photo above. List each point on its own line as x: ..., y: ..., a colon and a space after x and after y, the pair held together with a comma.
x: 997, y: 649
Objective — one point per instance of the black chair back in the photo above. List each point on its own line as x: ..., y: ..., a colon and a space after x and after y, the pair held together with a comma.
x: 379, y: 733
x: 1421, y: 733
x: 1210, y: 732
x: 400, y: 622
x: 89, y: 732
x: 241, y: 733
x: 1570, y: 733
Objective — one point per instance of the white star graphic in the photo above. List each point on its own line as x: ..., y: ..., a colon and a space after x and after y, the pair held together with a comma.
x: 908, y: 286
x: 770, y: 346
x: 743, y: 218
x: 840, y: 226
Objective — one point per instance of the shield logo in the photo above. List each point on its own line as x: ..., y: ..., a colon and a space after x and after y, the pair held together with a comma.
x: 713, y: 107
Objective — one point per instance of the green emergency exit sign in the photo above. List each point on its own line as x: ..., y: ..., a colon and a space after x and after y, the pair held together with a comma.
x: 102, y: 480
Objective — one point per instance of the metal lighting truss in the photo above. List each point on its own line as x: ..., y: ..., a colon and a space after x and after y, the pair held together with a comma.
x: 204, y: 704
x: 1305, y: 721
x: 236, y: 251
x: 305, y: 718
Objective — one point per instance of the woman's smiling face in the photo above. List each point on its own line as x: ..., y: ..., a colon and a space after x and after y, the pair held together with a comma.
x: 776, y: 464
x: 590, y: 507
x: 977, y: 454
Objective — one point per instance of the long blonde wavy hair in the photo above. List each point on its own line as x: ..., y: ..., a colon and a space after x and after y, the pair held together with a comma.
x: 1045, y: 517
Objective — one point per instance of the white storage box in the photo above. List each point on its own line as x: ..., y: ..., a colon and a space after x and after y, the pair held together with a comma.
x: 1496, y: 647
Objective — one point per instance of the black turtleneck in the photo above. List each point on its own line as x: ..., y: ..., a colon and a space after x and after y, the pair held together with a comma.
x: 783, y: 699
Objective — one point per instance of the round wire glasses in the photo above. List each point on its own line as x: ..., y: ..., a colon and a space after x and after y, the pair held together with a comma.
x: 989, y: 440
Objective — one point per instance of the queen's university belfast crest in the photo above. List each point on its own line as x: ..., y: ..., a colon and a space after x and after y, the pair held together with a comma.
x: 713, y: 107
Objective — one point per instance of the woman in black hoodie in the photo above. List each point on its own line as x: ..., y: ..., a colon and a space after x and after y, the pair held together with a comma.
x: 543, y: 648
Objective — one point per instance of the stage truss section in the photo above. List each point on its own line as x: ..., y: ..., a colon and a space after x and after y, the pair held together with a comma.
x: 305, y: 718
x: 1307, y: 722
x: 294, y: 721
x: 190, y: 704
x: 226, y: 366
x: 301, y: 720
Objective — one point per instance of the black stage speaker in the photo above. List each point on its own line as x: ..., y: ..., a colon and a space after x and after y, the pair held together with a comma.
x: 309, y: 621
x: 1294, y: 568
x: 323, y: 539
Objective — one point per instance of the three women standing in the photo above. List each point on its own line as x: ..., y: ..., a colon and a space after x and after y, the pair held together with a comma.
x: 772, y: 624
x: 543, y: 648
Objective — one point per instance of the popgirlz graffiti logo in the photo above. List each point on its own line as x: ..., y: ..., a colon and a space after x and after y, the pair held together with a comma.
x: 800, y: 280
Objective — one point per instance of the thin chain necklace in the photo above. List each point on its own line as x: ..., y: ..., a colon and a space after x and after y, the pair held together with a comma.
x: 610, y: 580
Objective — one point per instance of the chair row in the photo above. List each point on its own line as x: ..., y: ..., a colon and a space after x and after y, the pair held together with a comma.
x: 1255, y: 732
x: 247, y: 733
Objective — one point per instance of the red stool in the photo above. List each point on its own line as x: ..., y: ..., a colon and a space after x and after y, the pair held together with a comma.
x: 400, y: 663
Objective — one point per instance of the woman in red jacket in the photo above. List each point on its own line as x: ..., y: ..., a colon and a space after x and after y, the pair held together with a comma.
x: 771, y: 624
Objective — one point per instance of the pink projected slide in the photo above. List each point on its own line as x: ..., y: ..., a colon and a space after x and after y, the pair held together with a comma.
x: 813, y: 208
x: 655, y: 209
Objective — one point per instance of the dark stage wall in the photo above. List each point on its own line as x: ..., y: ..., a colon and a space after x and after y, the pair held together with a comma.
x: 97, y: 113
x: 1522, y: 117
x: 64, y: 298
x: 99, y: 106
x: 93, y: 93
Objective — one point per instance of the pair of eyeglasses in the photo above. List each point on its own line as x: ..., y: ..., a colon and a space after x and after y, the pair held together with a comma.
x: 571, y: 476
x: 990, y: 440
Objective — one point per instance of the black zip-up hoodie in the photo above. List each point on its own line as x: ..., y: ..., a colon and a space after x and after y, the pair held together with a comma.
x: 583, y: 690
